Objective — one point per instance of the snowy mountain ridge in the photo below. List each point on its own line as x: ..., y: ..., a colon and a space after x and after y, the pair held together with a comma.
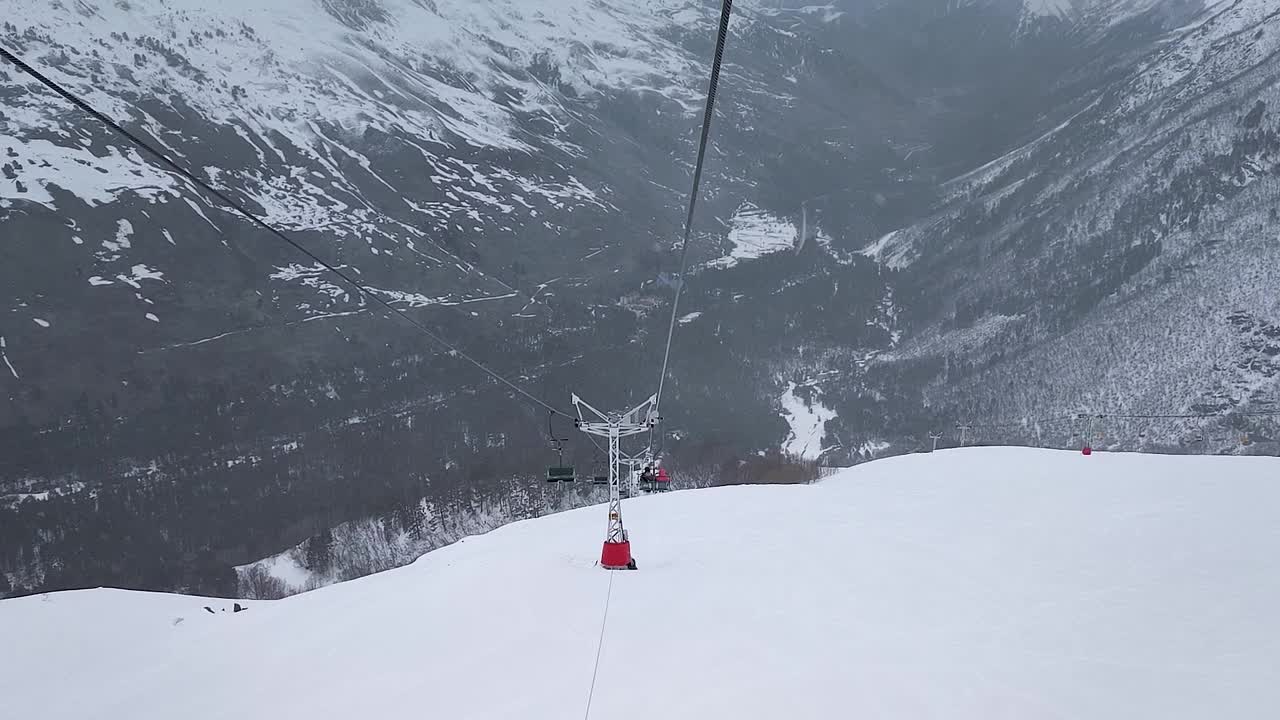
x: 1163, y: 182
x: 437, y: 69
x: 301, y: 89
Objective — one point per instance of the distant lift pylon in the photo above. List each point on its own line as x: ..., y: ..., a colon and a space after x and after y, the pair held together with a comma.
x: 616, y: 554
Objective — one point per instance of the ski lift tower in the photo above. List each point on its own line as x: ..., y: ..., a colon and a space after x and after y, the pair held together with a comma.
x: 616, y: 554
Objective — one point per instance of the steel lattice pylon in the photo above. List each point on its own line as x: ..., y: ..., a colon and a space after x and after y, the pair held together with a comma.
x: 615, y: 426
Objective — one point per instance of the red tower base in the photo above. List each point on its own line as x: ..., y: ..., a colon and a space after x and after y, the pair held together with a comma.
x: 617, y: 556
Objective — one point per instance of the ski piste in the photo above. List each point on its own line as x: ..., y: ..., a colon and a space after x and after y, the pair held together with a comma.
x: 972, y: 582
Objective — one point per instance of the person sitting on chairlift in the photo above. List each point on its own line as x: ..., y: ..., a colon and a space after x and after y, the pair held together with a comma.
x: 647, y: 476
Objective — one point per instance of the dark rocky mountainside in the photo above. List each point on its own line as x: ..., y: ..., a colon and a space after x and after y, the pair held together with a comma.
x: 916, y: 212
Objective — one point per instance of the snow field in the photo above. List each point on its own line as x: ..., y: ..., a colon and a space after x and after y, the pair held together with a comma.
x: 978, y: 583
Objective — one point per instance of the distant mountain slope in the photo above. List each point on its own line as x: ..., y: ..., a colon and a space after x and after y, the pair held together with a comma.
x: 1123, y: 259
x: 916, y: 213
x: 513, y: 174
x: 395, y: 134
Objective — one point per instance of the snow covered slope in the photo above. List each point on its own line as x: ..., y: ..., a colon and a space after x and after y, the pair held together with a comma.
x: 981, y: 583
x: 306, y: 104
x: 1125, y: 256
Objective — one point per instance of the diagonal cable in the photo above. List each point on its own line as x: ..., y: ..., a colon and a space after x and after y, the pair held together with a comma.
x: 725, y: 12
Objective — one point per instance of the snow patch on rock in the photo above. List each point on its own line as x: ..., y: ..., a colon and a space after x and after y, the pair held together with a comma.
x: 808, y: 420
x: 754, y: 233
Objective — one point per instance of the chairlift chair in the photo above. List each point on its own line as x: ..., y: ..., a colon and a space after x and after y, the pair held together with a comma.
x: 558, y: 473
x: 599, y: 471
x: 662, y: 480
x: 564, y: 473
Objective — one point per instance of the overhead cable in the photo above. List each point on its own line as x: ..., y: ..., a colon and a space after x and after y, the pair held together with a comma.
x: 725, y: 12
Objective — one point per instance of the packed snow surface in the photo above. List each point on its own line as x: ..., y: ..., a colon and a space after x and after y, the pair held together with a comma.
x: 978, y: 583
